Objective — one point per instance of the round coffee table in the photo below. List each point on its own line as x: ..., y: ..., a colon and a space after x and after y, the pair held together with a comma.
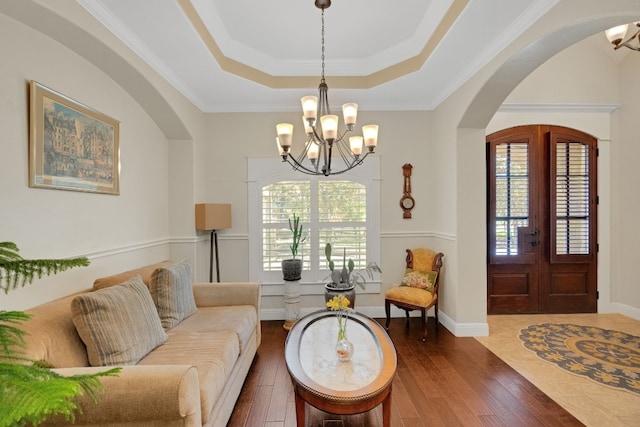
x: 330, y: 385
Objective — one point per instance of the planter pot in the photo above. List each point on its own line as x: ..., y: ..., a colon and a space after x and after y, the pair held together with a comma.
x: 330, y: 291
x: 291, y: 269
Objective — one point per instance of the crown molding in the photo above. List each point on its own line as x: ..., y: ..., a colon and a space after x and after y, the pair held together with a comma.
x: 558, y: 107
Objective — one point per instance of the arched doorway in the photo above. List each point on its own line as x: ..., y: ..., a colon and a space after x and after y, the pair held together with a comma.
x: 541, y: 220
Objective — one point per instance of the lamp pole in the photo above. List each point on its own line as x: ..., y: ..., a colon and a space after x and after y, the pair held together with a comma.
x: 214, y: 246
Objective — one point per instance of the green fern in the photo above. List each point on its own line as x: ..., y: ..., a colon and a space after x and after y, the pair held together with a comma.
x: 30, y: 392
x: 16, y: 271
x: 11, y: 336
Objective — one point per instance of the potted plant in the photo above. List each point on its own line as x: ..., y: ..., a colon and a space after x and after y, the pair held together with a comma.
x: 292, y: 267
x: 31, y: 392
x: 342, y: 281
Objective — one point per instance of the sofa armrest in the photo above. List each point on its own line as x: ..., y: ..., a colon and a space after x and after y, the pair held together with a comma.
x: 229, y: 293
x: 154, y: 395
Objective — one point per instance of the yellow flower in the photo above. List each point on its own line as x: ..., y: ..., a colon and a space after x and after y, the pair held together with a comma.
x: 339, y: 302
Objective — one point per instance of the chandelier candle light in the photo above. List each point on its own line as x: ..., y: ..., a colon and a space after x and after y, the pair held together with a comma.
x: 616, y: 36
x: 324, y: 138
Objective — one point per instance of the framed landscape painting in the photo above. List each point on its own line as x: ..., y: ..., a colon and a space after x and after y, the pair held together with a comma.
x: 71, y: 146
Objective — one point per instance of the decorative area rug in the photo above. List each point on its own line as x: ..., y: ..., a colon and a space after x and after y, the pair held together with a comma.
x: 609, y: 357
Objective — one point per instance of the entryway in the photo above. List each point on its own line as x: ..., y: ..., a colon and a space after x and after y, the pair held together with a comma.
x: 542, y: 216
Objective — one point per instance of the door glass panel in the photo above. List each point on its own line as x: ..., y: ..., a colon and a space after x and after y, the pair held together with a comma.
x: 512, y: 195
x: 572, y: 198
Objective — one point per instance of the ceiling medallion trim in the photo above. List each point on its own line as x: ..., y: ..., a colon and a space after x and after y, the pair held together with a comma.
x: 371, y: 80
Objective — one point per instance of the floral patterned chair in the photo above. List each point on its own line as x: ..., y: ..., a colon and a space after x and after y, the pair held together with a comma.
x: 419, y: 287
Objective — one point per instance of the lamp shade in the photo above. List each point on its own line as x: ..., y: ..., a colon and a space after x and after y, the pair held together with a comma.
x: 213, y: 216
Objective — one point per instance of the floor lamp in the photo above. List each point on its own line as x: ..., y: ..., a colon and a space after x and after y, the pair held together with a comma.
x: 213, y: 217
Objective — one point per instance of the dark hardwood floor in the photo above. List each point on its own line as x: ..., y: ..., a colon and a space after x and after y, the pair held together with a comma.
x: 446, y: 381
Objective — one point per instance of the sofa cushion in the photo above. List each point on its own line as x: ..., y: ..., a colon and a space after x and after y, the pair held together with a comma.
x: 171, y: 291
x: 51, y: 336
x: 119, y: 325
x: 242, y: 319
x: 214, y: 354
x: 409, y: 295
x: 116, y: 279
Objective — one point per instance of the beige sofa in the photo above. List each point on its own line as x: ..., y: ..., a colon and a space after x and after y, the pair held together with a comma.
x: 192, y: 378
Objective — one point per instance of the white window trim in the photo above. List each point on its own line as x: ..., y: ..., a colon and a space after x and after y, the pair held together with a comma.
x: 263, y: 171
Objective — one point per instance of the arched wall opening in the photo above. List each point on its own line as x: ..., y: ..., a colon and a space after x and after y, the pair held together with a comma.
x: 470, y: 152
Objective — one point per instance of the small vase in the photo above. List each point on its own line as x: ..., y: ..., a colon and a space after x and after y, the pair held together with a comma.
x: 344, y: 350
x: 331, y: 290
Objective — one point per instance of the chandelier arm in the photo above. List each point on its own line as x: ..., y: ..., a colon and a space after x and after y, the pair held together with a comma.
x: 341, y: 137
x: 357, y: 163
x: 298, y: 166
x: 349, y: 159
x: 299, y: 160
x: 347, y: 156
x: 316, y: 137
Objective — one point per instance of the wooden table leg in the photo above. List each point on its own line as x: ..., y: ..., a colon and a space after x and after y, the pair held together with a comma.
x: 300, y: 421
x: 386, y: 410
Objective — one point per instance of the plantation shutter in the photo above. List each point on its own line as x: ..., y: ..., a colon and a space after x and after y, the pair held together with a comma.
x: 572, y: 164
x: 342, y: 221
x: 279, y: 202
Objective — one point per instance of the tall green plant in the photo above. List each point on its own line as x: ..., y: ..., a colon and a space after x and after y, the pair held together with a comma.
x: 30, y: 392
x: 296, y: 229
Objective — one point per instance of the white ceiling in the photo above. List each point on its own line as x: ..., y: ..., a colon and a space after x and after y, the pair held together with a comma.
x: 282, y: 38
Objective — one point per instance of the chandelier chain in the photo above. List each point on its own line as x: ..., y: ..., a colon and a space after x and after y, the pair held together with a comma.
x: 322, y: 40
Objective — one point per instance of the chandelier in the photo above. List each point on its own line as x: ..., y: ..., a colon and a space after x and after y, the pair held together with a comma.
x: 617, y: 34
x: 324, y: 140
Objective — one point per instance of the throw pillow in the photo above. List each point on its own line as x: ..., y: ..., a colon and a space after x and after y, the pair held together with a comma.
x: 172, y: 292
x: 119, y: 325
x: 420, y: 279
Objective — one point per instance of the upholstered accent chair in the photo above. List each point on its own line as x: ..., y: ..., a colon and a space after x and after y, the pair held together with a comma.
x: 419, y: 287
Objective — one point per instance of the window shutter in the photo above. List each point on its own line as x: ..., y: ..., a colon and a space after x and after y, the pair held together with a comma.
x: 279, y: 202
x: 572, y: 164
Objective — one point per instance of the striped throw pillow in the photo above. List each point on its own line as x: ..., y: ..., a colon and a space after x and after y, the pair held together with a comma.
x: 119, y: 325
x: 172, y: 292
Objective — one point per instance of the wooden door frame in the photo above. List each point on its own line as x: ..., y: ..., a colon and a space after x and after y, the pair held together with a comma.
x: 576, y: 287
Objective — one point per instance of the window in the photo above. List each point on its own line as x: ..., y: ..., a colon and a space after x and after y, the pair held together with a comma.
x: 512, y: 195
x: 572, y: 198
x: 342, y: 211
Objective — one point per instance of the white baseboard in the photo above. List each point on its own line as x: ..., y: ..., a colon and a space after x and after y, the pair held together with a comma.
x: 457, y: 329
x: 625, y: 309
x: 463, y: 329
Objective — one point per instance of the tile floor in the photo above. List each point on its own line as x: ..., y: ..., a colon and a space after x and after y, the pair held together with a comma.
x: 592, y: 403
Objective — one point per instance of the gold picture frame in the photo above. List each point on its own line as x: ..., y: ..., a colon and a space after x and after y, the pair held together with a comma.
x: 71, y: 146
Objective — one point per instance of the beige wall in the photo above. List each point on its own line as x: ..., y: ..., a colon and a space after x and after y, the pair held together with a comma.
x: 625, y: 194
x: 115, y: 232
x: 174, y: 156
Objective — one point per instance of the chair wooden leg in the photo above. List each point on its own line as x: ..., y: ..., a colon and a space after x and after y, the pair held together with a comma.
x: 436, y: 310
x: 424, y: 324
x: 406, y: 323
x: 387, y: 310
